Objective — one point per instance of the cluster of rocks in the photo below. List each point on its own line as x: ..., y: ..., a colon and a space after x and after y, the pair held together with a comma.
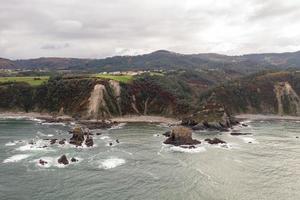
x: 182, y: 136
x: 62, y: 160
x: 79, y: 136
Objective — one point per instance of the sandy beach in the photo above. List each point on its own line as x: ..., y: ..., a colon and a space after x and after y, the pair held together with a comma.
x: 262, y: 117
x: 25, y: 114
x: 123, y: 119
x: 141, y: 118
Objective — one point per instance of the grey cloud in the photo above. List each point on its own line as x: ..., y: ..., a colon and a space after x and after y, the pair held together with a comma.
x: 98, y: 28
x: 55, y: 46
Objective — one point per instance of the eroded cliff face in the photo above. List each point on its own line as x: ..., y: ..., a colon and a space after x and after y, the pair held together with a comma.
x: 116, y: 90
x: 97, y: 105
x: 287, y: 99
x: 115, y: 85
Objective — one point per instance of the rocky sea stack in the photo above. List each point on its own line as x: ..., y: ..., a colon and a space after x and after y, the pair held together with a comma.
x: 181, y: 136
x: 79, y: 136
x: 63, y: 160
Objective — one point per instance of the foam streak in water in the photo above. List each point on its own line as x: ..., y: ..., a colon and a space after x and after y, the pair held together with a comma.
x: 16, y: 158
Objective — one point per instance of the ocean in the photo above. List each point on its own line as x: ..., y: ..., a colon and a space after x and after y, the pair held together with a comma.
x: 262, y: 165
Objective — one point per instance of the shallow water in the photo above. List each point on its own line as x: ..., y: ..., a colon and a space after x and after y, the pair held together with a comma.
x: 141, y: 167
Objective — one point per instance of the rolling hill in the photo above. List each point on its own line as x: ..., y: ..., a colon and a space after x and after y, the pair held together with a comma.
x: 163, y: 59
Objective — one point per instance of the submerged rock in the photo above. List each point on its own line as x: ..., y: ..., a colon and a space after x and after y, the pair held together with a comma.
x: 167, y: 134
x: 215, y: 141
x: 42, y: 162
x: 89, y: 142
x: 188, y: 146
x: 74, y: 160
x: 117, y: 141
x: 181, y: 136
x: 63, y: 160
x: 53, y: 141
x: 238, y: 133
x: 63, y: 141
x: 31, y: 142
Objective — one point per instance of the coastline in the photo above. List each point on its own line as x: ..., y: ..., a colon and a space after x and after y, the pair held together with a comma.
x: 266, y: 117
x: 123, y: 119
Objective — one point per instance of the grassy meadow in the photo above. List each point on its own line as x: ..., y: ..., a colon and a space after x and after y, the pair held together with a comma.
x: 120, y: 78
x: 32, y: 80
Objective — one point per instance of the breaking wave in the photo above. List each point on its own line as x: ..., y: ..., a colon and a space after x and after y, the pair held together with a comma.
x: 111, y: 163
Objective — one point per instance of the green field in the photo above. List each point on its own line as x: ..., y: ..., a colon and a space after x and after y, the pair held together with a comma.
x: 32, y: 80
x: 120, y: 78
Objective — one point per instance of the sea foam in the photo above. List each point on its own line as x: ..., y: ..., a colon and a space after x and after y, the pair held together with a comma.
x: 54, y: 123
x: 11, y: 143
x: 186, y: 150
x: 39, y: 145
x: 16, y: 158
x: 104, y: 137
x: 119, y: 126
x: 249, y: 140
x: 111, y: 163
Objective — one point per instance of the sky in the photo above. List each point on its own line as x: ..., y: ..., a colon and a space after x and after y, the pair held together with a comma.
x: 102, y: 28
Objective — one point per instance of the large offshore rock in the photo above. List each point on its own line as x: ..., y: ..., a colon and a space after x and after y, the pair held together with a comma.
x: 63, y: 160
x: 78, y: 136
x: 181, y: 136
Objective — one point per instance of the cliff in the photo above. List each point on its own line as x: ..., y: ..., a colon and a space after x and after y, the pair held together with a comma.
x: 96, y: 98
x: 263, y: 93
x: 194, y: 97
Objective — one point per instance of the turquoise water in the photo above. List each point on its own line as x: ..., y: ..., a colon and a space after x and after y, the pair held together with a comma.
x: 141, y: 167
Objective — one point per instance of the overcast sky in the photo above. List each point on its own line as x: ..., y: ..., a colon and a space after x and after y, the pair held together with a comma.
x: 101, y: 28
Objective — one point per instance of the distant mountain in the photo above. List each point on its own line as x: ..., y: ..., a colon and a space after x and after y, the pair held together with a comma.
x: 6, y: 64
x: 163, y: 59
x: 52, y: 63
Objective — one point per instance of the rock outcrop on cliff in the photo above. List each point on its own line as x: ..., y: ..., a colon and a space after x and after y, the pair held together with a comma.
x: 211, y: 116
